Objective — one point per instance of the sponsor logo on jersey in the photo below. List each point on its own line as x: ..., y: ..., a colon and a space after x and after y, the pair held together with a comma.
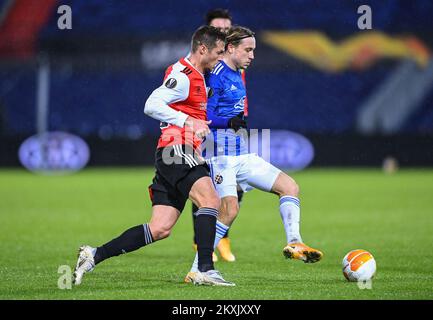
x: 240, y: 104
x: 197, y: 90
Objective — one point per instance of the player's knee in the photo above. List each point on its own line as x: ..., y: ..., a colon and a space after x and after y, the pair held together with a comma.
x: 160, y: 232
x: 286, y: 186
x: 205, y: 197
x: 233, y: 210
x: 293, y: 189
x: 233, y: 207
x: 229, y: 209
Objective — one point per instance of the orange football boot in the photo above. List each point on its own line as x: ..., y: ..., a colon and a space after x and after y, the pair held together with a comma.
x: 301, y: 251
x: 225, y: 250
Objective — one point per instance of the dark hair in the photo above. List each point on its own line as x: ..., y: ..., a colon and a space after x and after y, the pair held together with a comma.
x: 208, y: 36
x: 236, y: 34
x: 217, y: 13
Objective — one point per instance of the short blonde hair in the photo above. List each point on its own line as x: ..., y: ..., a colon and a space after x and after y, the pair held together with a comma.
x: 236, y: 34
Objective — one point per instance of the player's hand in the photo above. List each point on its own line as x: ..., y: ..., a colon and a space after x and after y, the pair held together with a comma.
x: 199, y: 127
x: 238, y: 122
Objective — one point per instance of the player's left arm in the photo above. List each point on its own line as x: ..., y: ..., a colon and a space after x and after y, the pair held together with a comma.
x: 217, y: 86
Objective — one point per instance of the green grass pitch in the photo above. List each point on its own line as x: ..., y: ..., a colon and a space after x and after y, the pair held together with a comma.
x: 44, y: 219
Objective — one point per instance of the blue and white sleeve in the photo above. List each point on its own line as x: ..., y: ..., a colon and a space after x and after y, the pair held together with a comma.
x: 212, y: 103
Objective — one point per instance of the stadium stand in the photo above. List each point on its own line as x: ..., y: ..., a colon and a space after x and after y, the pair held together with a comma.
x: 284, y: 92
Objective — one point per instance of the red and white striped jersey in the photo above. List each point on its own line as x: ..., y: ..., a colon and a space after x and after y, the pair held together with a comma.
x: 182, y: 94
x: 246, y: 97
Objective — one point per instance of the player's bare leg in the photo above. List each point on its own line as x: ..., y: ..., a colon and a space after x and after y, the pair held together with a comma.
x: 224, y: 246
x: 288, y: 191
x: 162, y: 221
x: 228, y: 212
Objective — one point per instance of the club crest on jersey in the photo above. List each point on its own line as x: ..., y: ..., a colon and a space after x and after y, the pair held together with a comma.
x: 171, y: 83
x: 218, y: 179
x: 197, y: 90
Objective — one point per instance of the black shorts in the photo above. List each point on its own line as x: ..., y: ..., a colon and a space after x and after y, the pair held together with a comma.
x: 175, y: 176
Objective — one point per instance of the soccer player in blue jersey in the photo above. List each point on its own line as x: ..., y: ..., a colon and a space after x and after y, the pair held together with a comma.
x: 221, y: 19
x: 231, y: 163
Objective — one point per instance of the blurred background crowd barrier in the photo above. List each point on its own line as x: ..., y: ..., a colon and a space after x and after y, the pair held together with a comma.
x: 359, y: 96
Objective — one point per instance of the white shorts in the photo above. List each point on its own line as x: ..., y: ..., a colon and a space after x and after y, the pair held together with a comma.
x: 249, y: 171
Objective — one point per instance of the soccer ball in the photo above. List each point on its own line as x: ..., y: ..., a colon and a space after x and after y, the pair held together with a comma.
x: 359, y: 265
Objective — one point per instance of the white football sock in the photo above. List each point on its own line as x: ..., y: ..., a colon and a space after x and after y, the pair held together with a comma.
x: 290, y: 212
x: 221, y: 230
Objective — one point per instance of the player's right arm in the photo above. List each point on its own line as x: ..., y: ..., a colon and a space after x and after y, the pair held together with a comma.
x: 174, y: 89
x: 199, y: 127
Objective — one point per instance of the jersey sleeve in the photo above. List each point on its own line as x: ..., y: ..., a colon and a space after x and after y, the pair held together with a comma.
x: 174, y: 89
x: 217, y: 86
x: 244, y: 80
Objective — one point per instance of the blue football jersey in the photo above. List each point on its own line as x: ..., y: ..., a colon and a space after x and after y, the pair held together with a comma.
x: 226, y: 101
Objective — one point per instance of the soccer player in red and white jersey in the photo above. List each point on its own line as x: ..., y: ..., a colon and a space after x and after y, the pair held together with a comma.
x: 181, y: 173
x: 222, y: 19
